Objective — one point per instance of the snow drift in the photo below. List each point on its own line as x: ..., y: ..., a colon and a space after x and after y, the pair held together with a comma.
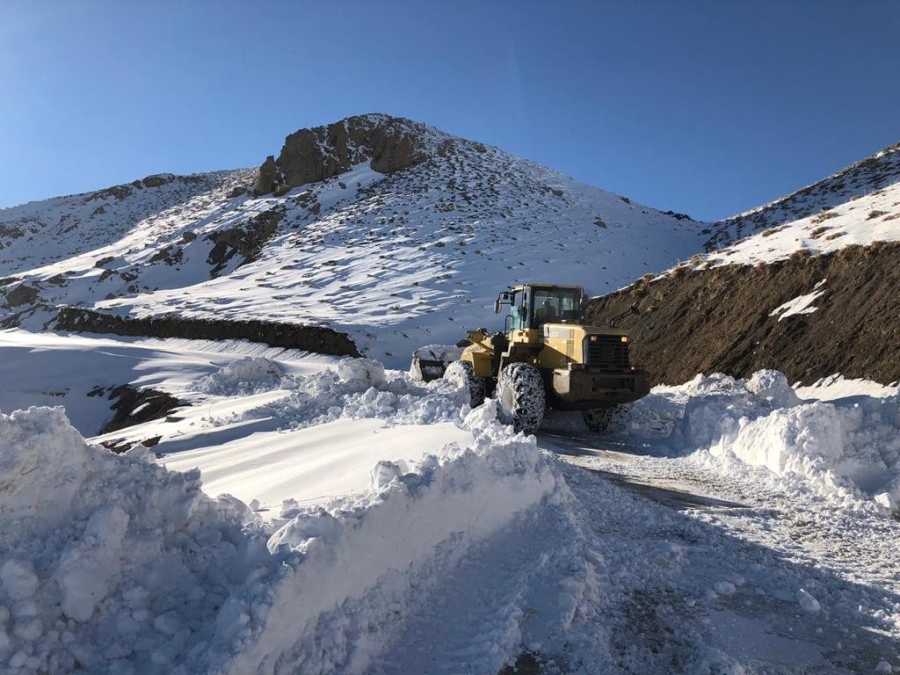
x: 113, y: 564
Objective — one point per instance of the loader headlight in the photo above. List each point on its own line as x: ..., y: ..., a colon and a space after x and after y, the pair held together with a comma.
x: 624, y: 338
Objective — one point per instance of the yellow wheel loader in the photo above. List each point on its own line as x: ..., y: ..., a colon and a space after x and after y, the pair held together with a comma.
x: 546, y: 357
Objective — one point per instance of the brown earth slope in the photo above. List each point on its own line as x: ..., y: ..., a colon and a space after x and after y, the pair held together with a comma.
x: 720, y: 319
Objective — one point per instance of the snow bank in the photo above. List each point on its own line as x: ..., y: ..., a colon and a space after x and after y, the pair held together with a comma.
x: 358, y: 389
x: 108, y: 561
x: 112, y: 564
x: 357, y: 567
x: 846, y: 449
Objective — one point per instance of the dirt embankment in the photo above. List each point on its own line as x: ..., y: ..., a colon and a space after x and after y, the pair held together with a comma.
x: 721, y: 319
x: 308, y: 338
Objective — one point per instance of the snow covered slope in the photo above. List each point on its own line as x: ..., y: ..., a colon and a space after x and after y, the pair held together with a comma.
x: 862, y: 179
x: 398, y: 260
x: 41, y: 233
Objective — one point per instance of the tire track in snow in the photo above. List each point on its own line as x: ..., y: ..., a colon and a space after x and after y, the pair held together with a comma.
x: 517, y: 591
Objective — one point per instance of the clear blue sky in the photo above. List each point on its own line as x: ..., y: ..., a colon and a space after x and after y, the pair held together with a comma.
x: 704, y: 107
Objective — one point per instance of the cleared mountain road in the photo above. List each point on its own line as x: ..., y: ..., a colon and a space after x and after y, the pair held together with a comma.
x: 615, y: 460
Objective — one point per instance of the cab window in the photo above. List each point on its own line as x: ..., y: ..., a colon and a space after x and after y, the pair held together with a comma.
x: 556, y: 305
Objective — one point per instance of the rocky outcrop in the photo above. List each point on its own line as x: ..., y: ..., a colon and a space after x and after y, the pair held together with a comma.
x: 158, y: 180
x: 133, y: 406
x: 269, y: 177
x: 246, y: 240
x: 724, y: 320
x: 287, y: 336
x: 23, y: 294
x: 310, y: 155
x: 10, y: 232
x: 122, y: 192
x: 118, y: 192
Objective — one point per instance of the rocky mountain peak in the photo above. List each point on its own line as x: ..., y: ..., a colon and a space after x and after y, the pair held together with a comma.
x: 388, y: 143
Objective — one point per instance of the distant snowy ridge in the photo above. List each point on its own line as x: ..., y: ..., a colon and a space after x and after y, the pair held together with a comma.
x: 39, y: 233
x: 862, y: 179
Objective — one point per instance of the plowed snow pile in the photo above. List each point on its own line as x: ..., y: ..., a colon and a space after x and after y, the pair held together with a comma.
x: 846, y: 449
x: 113, y: 564
x: 402, y: 532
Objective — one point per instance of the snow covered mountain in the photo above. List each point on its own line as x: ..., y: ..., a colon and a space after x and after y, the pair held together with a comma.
x: 305, y: 513
x: 399, y: 259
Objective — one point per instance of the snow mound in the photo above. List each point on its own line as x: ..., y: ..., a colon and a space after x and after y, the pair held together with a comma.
x: 358, y: 566
x: 243, y: 377
x: 362, y: 388
x: 113, y: 564
x: 108, y: 561
x: 846, y: 449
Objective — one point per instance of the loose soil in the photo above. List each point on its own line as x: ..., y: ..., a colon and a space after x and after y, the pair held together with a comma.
x: 720, y: 319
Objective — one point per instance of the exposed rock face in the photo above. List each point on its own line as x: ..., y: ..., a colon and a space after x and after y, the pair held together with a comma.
x: 246, y: 240
x: 311, y: 155
x: 135, y: 406
x: 22, y: 294
x: 158, y: 180
x: 721, y: 319
x: 119, y: 192
x: 268, y: 177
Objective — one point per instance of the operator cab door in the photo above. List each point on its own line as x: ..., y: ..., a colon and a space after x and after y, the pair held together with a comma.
x: 520, y: 311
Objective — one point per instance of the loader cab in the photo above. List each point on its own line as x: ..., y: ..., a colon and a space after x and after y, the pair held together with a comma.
x: 532, y: 305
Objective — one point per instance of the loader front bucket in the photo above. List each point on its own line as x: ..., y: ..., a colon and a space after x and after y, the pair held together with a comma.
x: 427, y: 370
x: 430, y: 362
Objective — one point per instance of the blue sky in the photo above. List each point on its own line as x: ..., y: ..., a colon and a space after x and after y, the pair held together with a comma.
x: 704, y: 107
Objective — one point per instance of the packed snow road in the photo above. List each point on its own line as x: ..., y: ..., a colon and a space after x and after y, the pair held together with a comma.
x: 759, y: 577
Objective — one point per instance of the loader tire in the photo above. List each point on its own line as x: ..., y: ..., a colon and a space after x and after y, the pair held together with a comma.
x: 462, y: 375
x: 520, y: 397
x: 603, y: 420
